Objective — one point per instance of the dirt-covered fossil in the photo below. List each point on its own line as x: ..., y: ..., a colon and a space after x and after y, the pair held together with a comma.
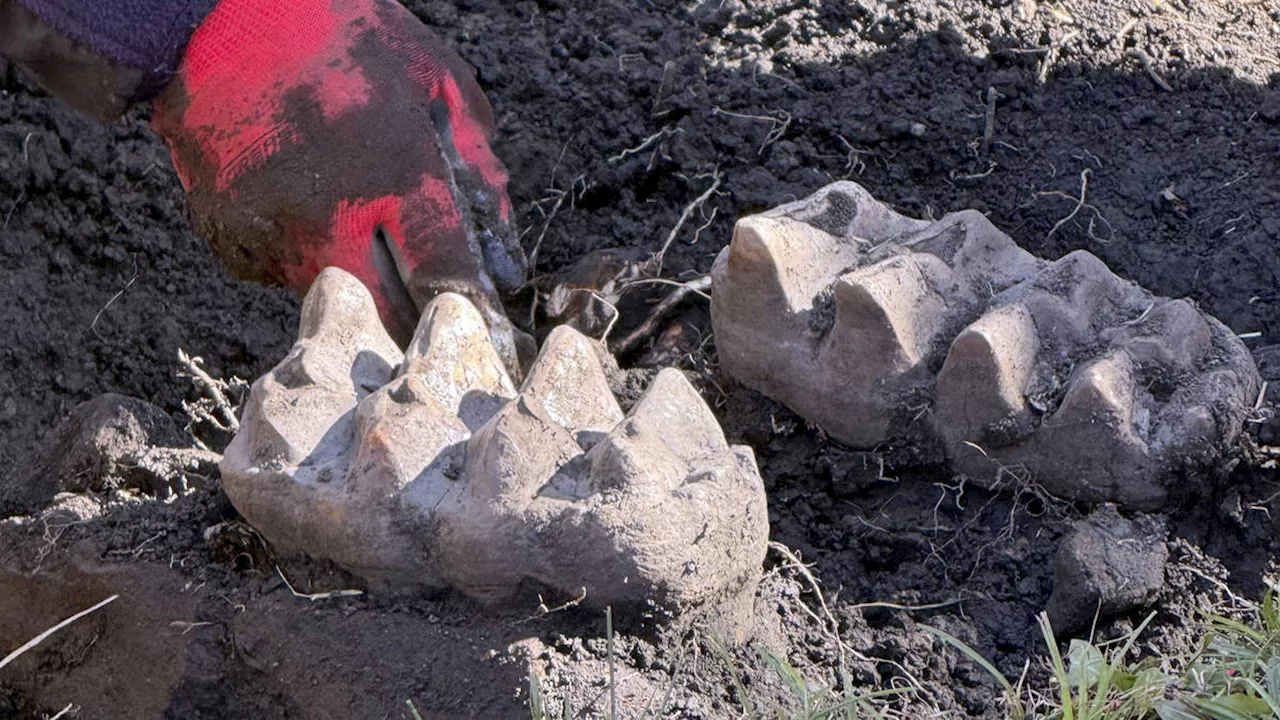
x: 430, y: 468
x: 881, y: 328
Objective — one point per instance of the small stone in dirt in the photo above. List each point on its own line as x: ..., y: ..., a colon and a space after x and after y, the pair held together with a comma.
x: 74, y: 507
x: 1106, y: 565
x: 97, y: 448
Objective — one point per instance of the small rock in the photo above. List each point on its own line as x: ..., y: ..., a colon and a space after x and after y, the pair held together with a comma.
x: 74, y: 508
x: 1106, y: 565
x: 96, y: 449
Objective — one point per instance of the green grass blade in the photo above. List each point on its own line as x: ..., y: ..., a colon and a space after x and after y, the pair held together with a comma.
x: 1086, y: 669
x: 1271, y: 700
x: 1271, y: 678
x: 973, y: 655
x: 1012, y: 696
x: 613, y: 678
x: 536, y: 707
x: 1222, y: 623
x: 1059, y: 670
x: 1114, y: 668
x: 1234, y: 707
x: 1176, y: 710
x: 723, y: 653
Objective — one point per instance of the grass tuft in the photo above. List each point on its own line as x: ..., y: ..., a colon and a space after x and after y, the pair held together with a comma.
x: 1234, y: 675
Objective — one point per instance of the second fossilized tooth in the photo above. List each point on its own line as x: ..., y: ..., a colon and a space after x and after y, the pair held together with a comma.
x: 431, y: 468
x: 883, y: 329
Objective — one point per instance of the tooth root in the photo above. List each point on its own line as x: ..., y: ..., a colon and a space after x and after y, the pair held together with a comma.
x: 887, y: 316
x: 982, y: 381
x: 453, y: 357
x: 569, y: 381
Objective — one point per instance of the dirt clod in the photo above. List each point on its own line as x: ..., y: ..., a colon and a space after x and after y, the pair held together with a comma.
x: 1106, y: 565
x: 98, y: 448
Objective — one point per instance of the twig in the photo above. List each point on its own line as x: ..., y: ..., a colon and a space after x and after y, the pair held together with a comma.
x: 1125, y: 30
x: 560, y: 196
x: 317, y: 596
x: 613, y: 679
x: 833, y: 626
x: 604, y: 337
x: 910, y: 608
x: 657, y: 137
x: 537, y: 244
x: 213, y: 389
x: 188, y: 626
x: 991, y: 167
x: 697, y: 286
x: 1226, y: 589
x: 776, y: 131
x: 716, y: 178
x: 45, y: 635
x: 9, y: 215
x: 853, y: 162
x: 989, y: 122
x: 93, y: 325
x: 137, y: 551
x: 1052, y: 54
x: 664, y: 87
x: 1149, y: 65
x: 1080, y: 202
x: 544, y: 611
x: 555, y: 299
x: 697, y: 233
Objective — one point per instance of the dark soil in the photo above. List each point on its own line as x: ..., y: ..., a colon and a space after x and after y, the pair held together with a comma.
x: 612, y: 117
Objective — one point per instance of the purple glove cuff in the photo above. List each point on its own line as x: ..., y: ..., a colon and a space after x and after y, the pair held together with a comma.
x: 148, y: 35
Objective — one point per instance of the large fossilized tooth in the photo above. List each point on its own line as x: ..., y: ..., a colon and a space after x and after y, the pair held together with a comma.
x: 1119, y: 392
x: 838, y: 307
x: 879, y: 328
x: 434, y: 469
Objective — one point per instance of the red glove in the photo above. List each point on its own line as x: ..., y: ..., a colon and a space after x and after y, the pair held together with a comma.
x: 315, y: 133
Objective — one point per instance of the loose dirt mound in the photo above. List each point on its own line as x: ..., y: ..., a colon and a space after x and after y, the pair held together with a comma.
x: 1149, y: 136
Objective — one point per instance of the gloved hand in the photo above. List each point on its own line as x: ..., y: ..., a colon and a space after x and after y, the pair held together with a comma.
x: 316, y: 133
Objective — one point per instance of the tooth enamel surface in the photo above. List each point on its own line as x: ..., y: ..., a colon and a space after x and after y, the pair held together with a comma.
x: 432, y: 469
x: 884, y: 329
x: 980, y: 387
